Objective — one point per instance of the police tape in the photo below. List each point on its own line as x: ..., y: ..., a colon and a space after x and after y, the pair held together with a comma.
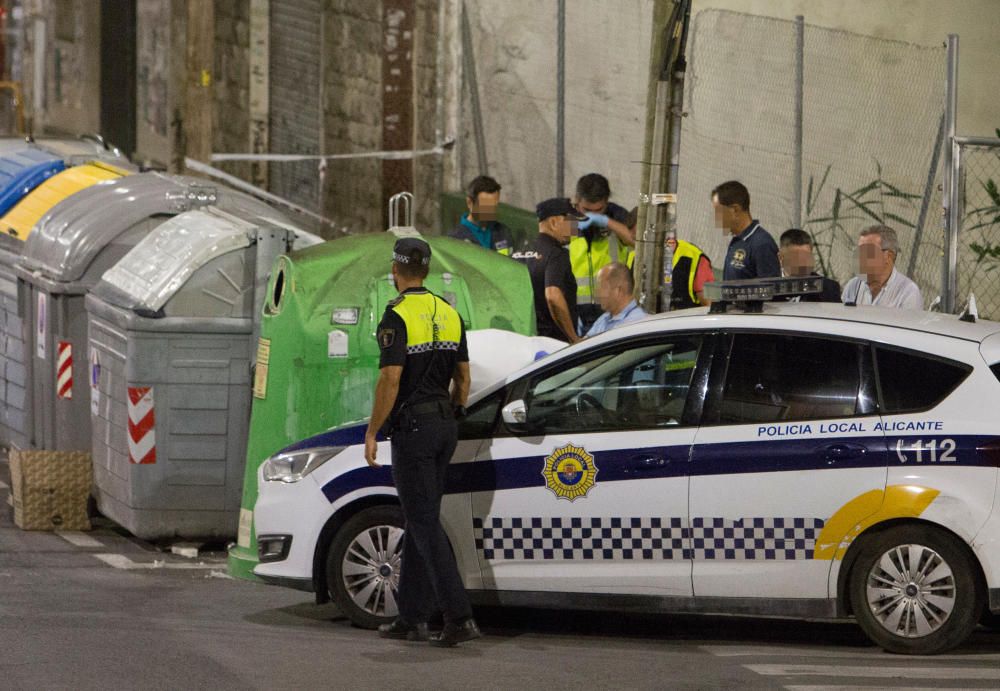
x: 397, y: 155
x: 233, y: 181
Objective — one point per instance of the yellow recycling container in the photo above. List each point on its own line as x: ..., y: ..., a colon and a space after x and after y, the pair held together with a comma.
x: 22, y: 218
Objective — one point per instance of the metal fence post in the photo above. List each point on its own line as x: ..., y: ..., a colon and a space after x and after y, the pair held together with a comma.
x: 949, y: 281
x: 561, y: 99
x: 800, y: 34
x: 470, y: 76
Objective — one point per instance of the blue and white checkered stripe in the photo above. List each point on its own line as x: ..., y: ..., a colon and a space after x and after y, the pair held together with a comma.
x: 645, y: 538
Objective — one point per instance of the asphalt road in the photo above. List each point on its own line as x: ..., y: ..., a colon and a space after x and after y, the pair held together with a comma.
x: 102, y: 610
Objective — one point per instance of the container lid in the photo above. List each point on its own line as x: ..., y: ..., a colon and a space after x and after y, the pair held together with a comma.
x: 20, y: 220
x: 155, y: 269
x: 22, y: 171
x: 69, y: 237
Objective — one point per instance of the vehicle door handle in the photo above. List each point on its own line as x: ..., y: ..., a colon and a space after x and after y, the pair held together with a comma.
x: 843, y: 452
x: 644, y: 462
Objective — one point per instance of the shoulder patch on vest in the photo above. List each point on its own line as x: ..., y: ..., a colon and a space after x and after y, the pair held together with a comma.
x: 386, y: 337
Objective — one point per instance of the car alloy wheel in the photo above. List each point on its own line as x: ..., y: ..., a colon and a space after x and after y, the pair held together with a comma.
x: 911, y: 590
x: 370, y: 569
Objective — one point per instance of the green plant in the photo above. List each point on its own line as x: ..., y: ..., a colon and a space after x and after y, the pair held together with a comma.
x: 878, y: 201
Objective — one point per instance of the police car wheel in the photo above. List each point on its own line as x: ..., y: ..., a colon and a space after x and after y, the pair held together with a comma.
x: 362, y: 566
x: 914, y: 591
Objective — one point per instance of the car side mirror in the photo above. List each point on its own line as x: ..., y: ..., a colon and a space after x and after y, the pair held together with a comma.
x: 515, y: 413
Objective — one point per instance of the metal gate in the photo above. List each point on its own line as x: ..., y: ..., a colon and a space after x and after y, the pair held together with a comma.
x: 296, y: 110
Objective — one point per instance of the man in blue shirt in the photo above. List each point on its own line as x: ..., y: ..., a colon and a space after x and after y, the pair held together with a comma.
x: 752, y: 251
x: 615, y: 286
x: 480, y: 226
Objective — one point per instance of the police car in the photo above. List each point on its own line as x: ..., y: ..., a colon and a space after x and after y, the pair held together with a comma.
x: 778, y: 459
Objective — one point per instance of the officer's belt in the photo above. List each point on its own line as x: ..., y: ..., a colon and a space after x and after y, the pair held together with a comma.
x: 426, y: 408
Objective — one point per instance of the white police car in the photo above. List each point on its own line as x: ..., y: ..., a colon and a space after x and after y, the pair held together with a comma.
x: 809, y: 460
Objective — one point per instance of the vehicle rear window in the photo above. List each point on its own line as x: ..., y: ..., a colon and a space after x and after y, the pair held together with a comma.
x: 996, y: 370
x: 913, y: 381
x: 775, y: 377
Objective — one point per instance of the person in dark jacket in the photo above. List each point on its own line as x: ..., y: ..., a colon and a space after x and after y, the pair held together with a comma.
x: 796, y: 255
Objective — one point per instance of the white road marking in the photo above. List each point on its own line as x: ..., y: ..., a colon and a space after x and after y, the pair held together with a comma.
x: 120, y: 561
x: 839, y: 653
x: 914, y: 672
x: 78, y: 539
x: 876, y: 688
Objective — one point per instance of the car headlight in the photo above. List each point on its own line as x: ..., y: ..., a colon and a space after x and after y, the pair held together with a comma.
x: 295, y: 465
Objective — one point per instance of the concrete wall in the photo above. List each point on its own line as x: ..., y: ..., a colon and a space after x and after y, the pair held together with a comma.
x: 607, y: 54
x: 924, y: 22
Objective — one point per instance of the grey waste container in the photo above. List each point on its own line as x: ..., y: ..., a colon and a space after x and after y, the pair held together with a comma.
x: 171, y: 344
x: 13, y: 366
x: 65, y: 255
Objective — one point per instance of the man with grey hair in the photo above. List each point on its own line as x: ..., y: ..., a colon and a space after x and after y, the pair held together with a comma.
x: 614, y: 293
x: 880, y: 283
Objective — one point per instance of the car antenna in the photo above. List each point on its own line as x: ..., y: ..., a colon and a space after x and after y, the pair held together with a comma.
x: 970, y: 313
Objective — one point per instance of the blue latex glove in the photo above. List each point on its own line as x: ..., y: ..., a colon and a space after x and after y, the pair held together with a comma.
x: 584, y: 224
x: 599, y: 220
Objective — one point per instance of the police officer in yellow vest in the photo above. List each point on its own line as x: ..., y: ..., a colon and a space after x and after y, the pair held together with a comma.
x: 691, y: 270
x: 423, y: 352
x: 605, y: 237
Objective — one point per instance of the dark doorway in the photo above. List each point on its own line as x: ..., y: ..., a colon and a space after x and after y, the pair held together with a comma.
x: 118, y: 73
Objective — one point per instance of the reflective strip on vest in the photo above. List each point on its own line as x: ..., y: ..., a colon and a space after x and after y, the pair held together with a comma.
x: 420, y: 311
x: 586, y: 264
x: 686, y: 249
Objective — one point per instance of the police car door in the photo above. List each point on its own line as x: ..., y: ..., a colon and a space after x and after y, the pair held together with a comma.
x: 789, y: 441
x: 588, y: 472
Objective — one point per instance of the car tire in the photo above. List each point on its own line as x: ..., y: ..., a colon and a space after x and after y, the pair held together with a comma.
x: 914, y: 590
x: 362, y: 565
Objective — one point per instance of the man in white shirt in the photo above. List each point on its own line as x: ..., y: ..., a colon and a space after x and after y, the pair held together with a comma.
x: 880, y: 283
x: 614, y: 293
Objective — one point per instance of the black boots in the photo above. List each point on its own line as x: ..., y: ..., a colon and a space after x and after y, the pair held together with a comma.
x: 453, y: 634
x: 403, y: 631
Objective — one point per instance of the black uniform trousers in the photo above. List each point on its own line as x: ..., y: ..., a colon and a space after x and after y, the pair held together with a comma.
x: 422, y: 447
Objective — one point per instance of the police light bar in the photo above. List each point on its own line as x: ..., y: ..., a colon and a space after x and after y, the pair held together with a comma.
x: 752, y: 293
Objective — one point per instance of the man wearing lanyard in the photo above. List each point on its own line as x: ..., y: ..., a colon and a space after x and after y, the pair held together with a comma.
x: 615, y: 286
x: 752, y: 251
x: 480, y: 226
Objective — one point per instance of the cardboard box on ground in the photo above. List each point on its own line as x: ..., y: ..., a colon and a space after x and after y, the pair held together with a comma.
x: 51, y: 489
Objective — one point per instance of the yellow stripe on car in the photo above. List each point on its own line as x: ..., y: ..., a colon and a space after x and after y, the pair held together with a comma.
x: 866, y: 510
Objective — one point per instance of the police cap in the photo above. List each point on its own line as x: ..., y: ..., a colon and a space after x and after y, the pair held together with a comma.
x: 558, y: 206
x: 406, y: 250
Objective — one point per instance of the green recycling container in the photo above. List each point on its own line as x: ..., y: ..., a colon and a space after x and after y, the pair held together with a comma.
x: 317, y: 358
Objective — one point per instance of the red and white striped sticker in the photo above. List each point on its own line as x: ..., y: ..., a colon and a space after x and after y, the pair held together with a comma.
x: 64, y: 370
x: 141, y: 432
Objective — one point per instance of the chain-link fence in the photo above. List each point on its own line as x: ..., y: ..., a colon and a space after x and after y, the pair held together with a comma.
x: 871, y: 126
x: 979, y: 225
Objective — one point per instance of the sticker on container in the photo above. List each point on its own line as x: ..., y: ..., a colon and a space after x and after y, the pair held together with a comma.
x: 336, y: 344
x: 246, y: 523
x: 41, y: 325
x: 64, y: 370
x: 260, y: 370
x: 141, y: 425
x: 95, y: 383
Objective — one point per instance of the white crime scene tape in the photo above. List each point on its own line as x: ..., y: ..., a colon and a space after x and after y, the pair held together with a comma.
x: 384, y: 155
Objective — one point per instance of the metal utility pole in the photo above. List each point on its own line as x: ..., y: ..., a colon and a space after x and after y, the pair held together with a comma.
x: 949, y: 275
x: 800, y: 41
x: 561, y: 98
x: 661, y: 155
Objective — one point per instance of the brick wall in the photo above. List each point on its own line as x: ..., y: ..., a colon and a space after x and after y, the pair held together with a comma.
x: 352, y: 74
x: 231, y: 95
